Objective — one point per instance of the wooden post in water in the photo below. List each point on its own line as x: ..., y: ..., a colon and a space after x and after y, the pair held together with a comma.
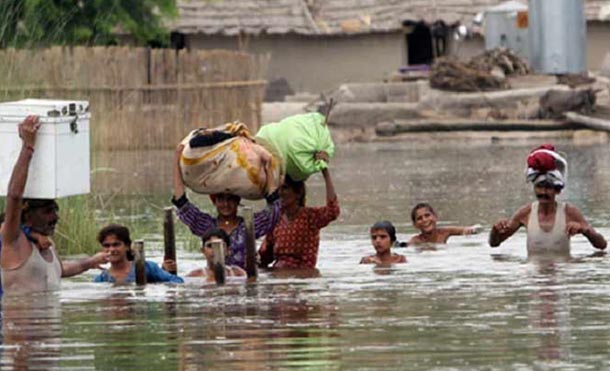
x: 250, y: 242
x: 138, y: 252
x: 219, y: 261
x: 169, y: 237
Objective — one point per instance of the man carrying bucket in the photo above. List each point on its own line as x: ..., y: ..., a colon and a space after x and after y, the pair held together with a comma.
x: 28, y: 259
x: 549, y: 223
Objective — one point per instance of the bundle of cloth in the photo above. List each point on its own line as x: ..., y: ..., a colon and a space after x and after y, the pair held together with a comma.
x: 295, y: 140
x: 226, y: 159
x: 546, y: 166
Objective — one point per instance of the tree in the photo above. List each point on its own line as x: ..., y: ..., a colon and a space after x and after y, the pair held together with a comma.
x: 33, y: 23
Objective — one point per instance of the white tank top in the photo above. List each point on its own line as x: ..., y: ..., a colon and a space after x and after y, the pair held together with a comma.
x: 34, y: 275
x: 555, y: 241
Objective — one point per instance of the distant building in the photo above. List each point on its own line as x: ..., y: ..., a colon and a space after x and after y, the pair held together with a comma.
x: 317, y: 44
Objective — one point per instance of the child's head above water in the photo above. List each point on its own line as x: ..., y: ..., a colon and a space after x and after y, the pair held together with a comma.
x: 423, y: 217
x: 419, y: 206
x: 386, y: 226
x: 383, y: 236
x: 214, y: 234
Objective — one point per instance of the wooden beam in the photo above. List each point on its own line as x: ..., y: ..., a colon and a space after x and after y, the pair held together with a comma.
x: 458, y: 124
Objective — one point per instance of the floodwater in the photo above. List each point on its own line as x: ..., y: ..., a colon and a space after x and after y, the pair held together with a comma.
x: 464, y: 306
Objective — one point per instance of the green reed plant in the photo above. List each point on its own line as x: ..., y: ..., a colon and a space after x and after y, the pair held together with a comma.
x: 77, y: 228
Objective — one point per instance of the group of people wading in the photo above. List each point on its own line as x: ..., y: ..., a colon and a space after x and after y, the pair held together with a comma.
x: 291, y: 230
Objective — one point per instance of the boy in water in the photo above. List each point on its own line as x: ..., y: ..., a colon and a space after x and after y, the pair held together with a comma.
x: 383, y: 237
x: 424, y: 218
x: 215, y: 234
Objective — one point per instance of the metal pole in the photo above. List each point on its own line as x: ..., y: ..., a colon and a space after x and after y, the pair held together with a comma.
x: 219, y: 261
x: 169, y: 237
x: 248, y: 215
x: 138, y: 250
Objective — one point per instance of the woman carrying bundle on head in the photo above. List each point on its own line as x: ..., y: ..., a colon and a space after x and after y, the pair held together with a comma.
x: 295, y: 240
x: 226, y: 204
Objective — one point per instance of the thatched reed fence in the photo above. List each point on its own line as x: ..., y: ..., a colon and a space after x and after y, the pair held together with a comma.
x: 139, y: 97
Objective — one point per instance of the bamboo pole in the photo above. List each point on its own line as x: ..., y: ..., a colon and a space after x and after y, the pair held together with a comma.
x: 219, y: 261
x: 248, y: 215
x: 138, y: 249
x: 169, y: 237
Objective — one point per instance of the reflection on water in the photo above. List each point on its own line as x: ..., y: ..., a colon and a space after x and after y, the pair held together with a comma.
x: 31, y: 332
x: 462, y: 306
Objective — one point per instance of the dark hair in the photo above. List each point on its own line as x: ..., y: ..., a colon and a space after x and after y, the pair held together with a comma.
x: 1, y: 217
x: 30, y: 204
x: 230, y: 196
x: 298, y: 186
x: 386, y: 226
x: 421, y: 205
x: 122, y: 234
x: 217, y: 232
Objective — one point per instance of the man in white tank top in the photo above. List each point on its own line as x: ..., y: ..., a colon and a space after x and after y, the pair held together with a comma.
x: 549, y: 223
x: 28, y: 265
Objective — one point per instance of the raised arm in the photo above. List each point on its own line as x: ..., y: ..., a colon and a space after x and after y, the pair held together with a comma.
x: 266, y: 219
x: 197, y: 221
x: 322, y: 216
x: 330, y: 188
x: 504, y: 228
x: 178, y: 182
x: 16, y: 186
x: 576, y: 224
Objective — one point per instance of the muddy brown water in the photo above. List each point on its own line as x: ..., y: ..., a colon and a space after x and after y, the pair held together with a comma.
x: 464, y: 306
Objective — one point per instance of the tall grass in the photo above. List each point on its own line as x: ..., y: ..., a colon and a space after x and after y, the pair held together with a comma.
x: 81, y: 217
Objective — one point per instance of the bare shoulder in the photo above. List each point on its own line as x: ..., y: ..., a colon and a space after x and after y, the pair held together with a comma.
x: 414, y: 240
x: 522, y: 214
x: 524, y: 210
x: 400, y: 258
x: 573, y: 213
x: 15, y: 253
x: 366, y: 260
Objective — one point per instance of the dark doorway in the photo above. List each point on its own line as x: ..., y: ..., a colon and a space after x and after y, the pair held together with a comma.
x: 178, y: 40
x: 419, y: 44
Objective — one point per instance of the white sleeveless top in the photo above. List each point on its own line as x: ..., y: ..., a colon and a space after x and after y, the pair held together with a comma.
x: 555, y: 241
x: 34, y: 275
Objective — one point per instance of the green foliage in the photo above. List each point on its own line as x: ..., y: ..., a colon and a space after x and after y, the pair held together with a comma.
x: 40, y: 23
x: 77, y: 228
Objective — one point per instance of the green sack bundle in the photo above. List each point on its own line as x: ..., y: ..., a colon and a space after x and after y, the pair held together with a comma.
x: 296, y: 139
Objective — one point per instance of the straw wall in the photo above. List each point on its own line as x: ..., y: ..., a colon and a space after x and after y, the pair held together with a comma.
x: 141, y: 98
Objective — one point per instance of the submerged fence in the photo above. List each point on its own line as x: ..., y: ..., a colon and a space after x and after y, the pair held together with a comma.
x: 141, y: 98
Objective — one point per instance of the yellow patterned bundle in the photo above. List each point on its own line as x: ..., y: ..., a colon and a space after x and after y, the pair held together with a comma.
x: 235, y: 165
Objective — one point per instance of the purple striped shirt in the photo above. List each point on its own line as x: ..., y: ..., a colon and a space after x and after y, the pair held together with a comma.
x: 200, y: 222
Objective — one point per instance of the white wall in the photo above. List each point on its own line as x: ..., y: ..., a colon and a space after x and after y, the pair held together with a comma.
x: 598, y: 43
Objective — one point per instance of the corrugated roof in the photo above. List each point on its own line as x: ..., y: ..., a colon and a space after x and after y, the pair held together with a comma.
x: 331, y: 17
